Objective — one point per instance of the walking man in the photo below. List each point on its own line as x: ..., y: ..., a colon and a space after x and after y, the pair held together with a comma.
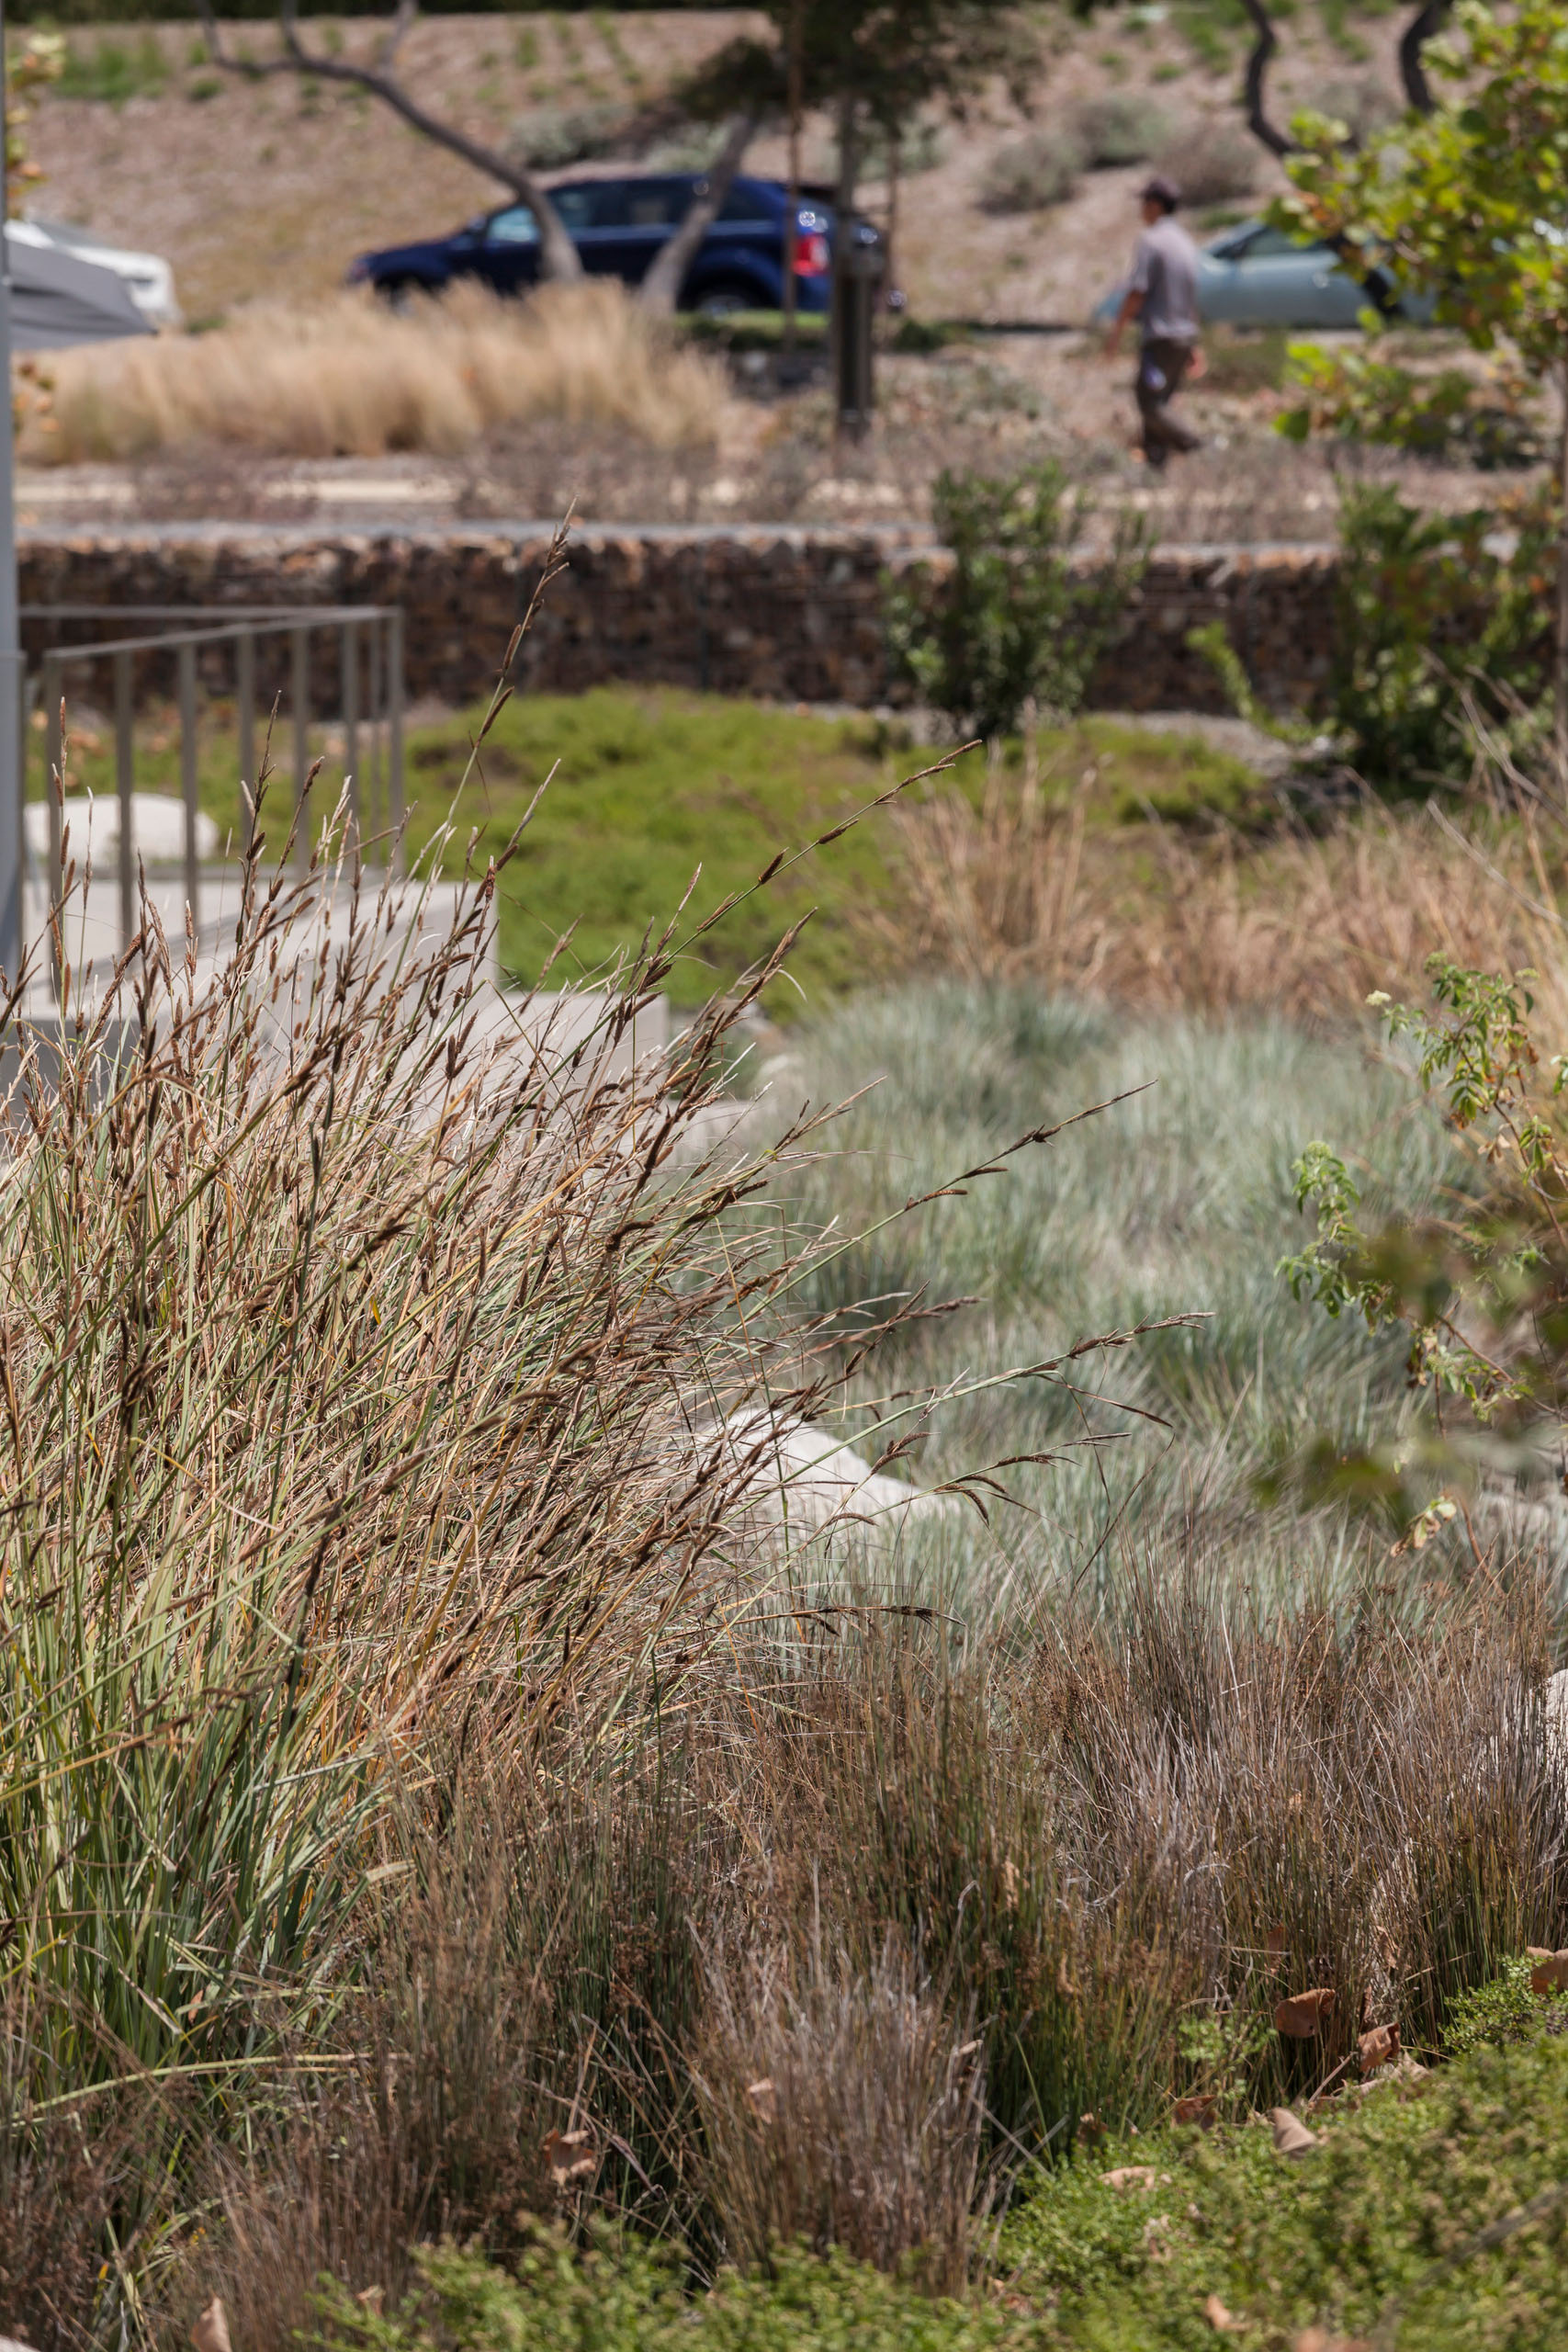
x: 1162, y: 295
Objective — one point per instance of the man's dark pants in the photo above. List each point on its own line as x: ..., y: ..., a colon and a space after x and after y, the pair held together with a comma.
x: 1162, y: 364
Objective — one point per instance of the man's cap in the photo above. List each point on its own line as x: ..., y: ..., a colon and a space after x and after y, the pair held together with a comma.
x: 1159, y: 190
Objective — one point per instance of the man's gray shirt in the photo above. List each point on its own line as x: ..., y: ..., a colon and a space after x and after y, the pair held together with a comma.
x: 1165, y: 272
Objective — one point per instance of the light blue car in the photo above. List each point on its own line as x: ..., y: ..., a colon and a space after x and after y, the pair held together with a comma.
x: 1256, y: 275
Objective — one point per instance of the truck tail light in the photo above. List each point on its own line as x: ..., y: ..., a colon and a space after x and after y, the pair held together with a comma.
x: 812, y: 258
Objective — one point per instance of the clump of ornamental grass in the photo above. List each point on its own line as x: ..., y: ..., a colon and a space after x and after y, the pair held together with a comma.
x: 354, y: 378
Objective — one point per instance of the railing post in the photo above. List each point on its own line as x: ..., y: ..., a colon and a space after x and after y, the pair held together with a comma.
x: 245, y: 696
x: 300, y: 696
x: 125, y: 786
x: 188, y: 788
x: 395, y: 735
x: 373, y: 760
x: 350, y: 664
x: 52, y: 754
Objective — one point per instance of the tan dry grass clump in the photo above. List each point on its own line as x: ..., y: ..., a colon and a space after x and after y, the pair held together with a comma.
x: 1307, y: 925
x: 349, y: 378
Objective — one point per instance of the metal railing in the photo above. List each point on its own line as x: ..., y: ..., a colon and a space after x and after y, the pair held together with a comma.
x: 214, y: 649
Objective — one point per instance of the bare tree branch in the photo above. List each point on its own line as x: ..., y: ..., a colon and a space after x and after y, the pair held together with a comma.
x: 661, y: 286
x: 1427, y: 22
x: 557, y: 252
x: 1258, y: 65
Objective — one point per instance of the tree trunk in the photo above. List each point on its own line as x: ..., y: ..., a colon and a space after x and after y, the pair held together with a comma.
x: 662, y: 288
x: 1560, y: 666
x: 792, y: 222
x: 1427, y: 22
x: 843, y: 235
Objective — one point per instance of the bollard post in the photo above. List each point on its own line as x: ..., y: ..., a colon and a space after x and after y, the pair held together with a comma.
x: 350, y: 667
x: 395, y: 735
x: 125, y: 786
x: 245, y: 696
x: 188, y: 788
x: 53, y: 877
x: 300, y: 640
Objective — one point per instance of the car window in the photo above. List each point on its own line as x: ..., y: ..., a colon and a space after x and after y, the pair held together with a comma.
x: 744, y: 204
x: 515, y: 226
x: 656, y: 204
x: 601, y: 205
x: 1271, y: 244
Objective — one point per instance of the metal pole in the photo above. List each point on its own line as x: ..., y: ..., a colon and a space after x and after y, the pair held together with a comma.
x: 351, y: 727
x: 125, y: 786
x: 302, y: 701
x: 10, y: 642
x: 188, y: 787
x: 52, y: 788
x: 373, y: 769
x: 245, y: 693
x: 395, y: 737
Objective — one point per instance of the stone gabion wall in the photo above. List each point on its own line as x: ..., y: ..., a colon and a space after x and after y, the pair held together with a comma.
x: 788, y: 615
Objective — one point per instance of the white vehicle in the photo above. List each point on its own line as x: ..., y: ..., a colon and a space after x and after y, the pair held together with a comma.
x: 149, y: 279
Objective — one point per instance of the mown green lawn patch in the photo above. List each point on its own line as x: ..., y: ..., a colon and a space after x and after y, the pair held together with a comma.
x: 655, y: 792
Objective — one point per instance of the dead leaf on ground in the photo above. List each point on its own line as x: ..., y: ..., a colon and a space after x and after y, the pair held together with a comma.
x: 210, y: 2332
x: 1090, y: 2129
x: 1377, y: 2047
x: 571, y: 2155
x: 1129, y: 2177
x: 1304, y: 2014
x: 1218, y: 2317
x: 1549, y: 1970
x: 761, y: 2094
x: 1156, y: 2245
x: 1291, y: 2135
x: 1198, y: 2107
x: 1274, y: 1943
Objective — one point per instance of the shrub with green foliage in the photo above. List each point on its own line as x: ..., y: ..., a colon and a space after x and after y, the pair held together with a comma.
x: 1429, y: 608
x: 1019, y: 621
x: 1032, y: 174
x: 1437, y: 2203
x: 1488, y: 420
x: 1119, y: 127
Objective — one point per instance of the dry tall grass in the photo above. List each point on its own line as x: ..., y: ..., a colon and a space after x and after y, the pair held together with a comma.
x: 351, y: 377
x: 1307, y: 923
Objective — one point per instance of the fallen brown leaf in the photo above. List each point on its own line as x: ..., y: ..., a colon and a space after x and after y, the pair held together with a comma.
x: 1291, y: 2135
x: 1129, y: 2177
x: 761, y: 2094
x: 1274, y: 1943
x: 1218, y: 2317
x: 1090, y: 2129
x: 1304, y: 2013
x: 1198, y: 2107
x: 571, y: 2156
x: 1549, y: 1970
x: 1377, y: 2047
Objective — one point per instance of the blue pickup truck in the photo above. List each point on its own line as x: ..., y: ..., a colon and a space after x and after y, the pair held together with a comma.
x: 618, y: 226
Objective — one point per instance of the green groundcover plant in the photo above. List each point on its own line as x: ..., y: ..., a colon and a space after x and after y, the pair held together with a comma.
x: 1432, y: 2208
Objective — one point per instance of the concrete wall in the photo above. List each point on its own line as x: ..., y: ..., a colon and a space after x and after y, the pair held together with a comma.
x: 790, y: 615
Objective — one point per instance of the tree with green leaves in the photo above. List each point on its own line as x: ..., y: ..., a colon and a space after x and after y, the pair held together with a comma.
x: 1465, y: 203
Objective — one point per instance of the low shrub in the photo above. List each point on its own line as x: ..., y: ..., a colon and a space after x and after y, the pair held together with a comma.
x: 1018, y: 621
x: 1119, y: 127
x: 550, y: 138
x: 1432, y: 611
x: 1211, y: 161
x: 1033, y: 173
